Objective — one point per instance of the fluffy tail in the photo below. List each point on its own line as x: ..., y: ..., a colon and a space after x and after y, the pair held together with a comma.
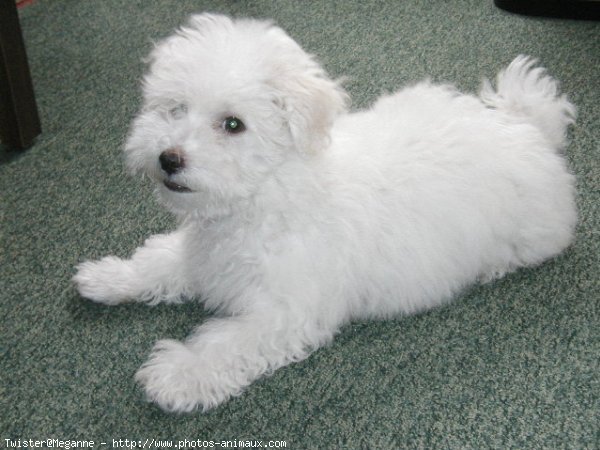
x: 528, y: 92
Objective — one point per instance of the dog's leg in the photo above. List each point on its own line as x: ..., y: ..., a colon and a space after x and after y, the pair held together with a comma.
x: 153, y: 274
x: 225, y: 355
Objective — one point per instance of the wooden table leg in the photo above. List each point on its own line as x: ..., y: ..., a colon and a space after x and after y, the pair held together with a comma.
x: 19, y: 119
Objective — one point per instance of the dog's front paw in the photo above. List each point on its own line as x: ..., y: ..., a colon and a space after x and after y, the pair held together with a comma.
x: 105, y: 281
x: 178, y: 380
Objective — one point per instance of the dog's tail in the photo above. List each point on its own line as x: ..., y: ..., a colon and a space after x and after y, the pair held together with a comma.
x: 528, y: 92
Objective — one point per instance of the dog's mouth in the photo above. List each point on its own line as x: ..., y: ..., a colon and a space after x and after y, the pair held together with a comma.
x: 175, y: 187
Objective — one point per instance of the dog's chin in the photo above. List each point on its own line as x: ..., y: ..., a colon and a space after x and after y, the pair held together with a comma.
x: 177, y: 199
x: 194, y: 204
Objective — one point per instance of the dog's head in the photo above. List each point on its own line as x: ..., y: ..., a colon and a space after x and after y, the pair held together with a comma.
x: 226, y: 102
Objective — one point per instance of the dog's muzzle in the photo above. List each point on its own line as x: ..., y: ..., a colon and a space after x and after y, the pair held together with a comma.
x: 172, y: 162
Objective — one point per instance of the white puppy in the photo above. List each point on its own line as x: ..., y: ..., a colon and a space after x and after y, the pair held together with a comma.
x: 297, y: 217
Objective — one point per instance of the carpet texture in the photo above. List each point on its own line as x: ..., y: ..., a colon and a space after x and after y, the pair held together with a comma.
x: 511, y: 364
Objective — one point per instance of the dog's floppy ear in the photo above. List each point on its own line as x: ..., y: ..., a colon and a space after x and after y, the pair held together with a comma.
x: 309, y: 99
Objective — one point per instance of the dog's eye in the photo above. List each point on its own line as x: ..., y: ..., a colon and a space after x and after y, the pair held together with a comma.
x: 178, y: 112
x: 233, y: 125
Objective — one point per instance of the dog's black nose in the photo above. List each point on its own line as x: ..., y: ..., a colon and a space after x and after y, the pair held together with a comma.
x: 171, y: 160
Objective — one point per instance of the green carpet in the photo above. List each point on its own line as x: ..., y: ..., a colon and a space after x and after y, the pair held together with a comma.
x: 512, y: 364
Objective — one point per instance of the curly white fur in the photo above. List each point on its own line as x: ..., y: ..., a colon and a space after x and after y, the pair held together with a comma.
x: 311, y: 216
